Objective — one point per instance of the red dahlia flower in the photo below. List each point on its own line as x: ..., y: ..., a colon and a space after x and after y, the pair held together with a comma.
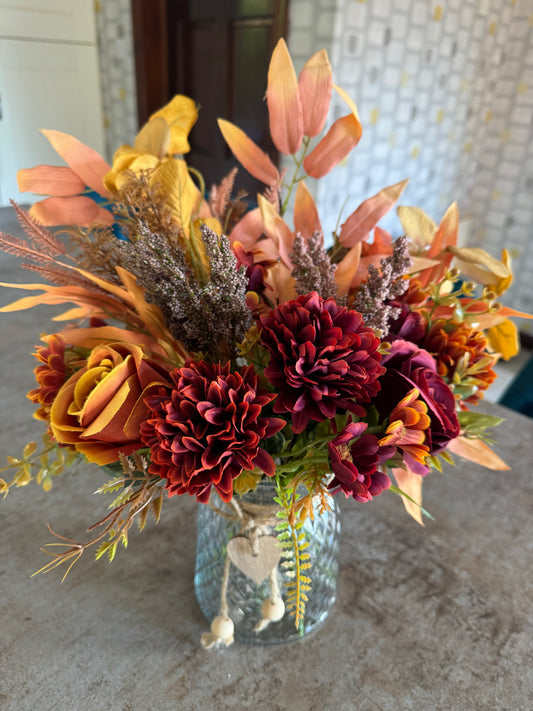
x: 207, y: 429
x: 323, y: 360
x: 355, y: 465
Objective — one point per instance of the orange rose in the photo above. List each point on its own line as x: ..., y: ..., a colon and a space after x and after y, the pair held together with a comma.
x: 100, y: 408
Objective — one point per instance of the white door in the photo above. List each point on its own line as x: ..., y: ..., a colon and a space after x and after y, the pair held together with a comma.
x: 47, y: 80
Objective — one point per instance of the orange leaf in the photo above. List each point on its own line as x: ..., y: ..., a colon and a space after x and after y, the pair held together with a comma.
x: 95, y: 336
x: 276, y: 229
x: 315, y: 82
x: 475, y: 450
x: 411, y: 484
x: 249, y: 155
x: 283, y: 100
x: 365, y: 217
x: 248, y: 229
x: 74, y: 210
x: 306, y: 219
x: 84, y: 161
x: 346, y: 269
x: 341, y: 138
x: 58, y: 181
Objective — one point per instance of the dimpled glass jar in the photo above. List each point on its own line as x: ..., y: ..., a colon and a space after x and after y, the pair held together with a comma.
x: 243, y: 596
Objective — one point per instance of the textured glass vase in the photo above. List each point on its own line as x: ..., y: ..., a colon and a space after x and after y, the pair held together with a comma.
x: 243, y: 597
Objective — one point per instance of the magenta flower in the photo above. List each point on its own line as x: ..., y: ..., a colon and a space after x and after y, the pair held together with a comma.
x: 207, y: 429
x: 355, y: 465
x: 411, y: 367
x: 323, y: 360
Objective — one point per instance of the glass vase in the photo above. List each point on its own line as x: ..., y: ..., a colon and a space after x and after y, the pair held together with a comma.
x: 221, y: 586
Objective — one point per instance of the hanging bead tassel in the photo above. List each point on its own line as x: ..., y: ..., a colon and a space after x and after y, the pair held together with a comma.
x: 222, y: 627
x: 273, y: 608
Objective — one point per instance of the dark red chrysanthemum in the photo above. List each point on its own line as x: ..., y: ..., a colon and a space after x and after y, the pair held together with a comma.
x: 207, y: 429
x: 355, y: 465
x: 323, y: 360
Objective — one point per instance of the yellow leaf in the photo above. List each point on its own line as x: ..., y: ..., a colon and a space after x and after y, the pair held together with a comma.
x: 503, y: 338
x: 29, y: 449
x: 482, y: 267
x: 418, y: 226
x: 180, y: 114
x: 411, y: 484
x: 153, y: 138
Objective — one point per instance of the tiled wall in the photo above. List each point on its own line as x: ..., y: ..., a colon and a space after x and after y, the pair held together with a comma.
x: 117, y: 69
x: 445, y: 94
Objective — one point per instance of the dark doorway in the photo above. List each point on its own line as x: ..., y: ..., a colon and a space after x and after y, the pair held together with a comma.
x: 217, y: 52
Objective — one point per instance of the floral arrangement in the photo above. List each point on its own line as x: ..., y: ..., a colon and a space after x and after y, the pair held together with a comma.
x: 210, y: 344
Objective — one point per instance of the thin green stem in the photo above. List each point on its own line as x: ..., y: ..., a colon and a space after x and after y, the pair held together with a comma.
x: 295, y: 178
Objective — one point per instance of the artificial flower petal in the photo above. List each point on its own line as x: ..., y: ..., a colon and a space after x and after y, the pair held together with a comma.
x: 283, y: 100
x: 315, y: 83
x: 84, y: 161
x: 56, y: 181
x: 249, y: 155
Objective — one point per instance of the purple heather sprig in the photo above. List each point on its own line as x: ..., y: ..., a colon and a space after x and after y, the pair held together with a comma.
x: 313, y: 270
x: 382, y: 285
x: 209, y: 317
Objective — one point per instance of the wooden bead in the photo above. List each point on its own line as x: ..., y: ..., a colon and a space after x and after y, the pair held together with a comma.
x: 273, y: 609
x: 222, y: 627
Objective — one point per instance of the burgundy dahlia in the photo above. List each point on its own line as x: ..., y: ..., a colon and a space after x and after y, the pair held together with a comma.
x: 323, y: 360
x: 355, y: 465
x: 207, y: 429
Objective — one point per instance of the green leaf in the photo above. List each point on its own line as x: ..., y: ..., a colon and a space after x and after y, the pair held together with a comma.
x: 475, y: 423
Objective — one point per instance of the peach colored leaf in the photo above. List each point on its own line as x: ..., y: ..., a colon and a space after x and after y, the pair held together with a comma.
x: 249, y: 155
x: 90, y: 300
x: 411, y: 484
x: 417, y: 226
x: 84, y: 161
x: 58, y: 181
x: 74, y: 210
x: 418, y: 264
x: 248, y: 229
x: 508, y: 311
x: 276, y: 229
x: 475, y: 450
x: 283, y: 100
x: 315, y: 83
x: 346, y: 269
x: 503, y: 338
x: 365, y: 217
x: 341, y: 138
x: 447, y: 231
x: 306, y: 219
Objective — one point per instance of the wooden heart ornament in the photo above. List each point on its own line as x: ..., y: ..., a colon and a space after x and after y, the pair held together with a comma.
x: 256, y: 565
